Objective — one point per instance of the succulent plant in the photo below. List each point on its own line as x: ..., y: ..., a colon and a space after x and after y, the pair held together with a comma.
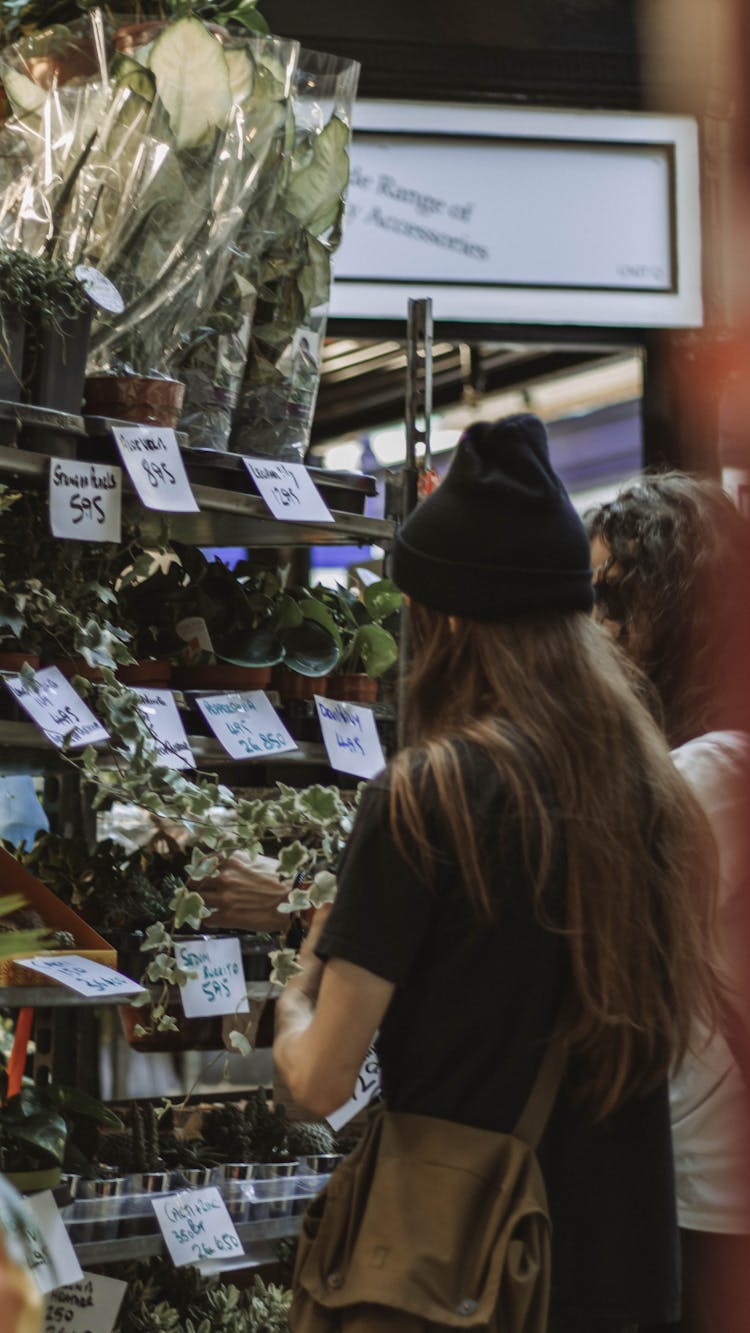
x: 307, y: 1138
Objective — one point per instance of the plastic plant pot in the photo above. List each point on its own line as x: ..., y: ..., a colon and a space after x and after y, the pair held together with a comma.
x: 12, y: 339
x: 59, y: 362
x: 321, y: 1163
x: 274, y: 1189
x: 151, y: 671
x: 222, y: 676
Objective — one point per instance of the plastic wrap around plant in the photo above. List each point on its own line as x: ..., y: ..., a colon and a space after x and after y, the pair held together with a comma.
x: 277, y: 400
x: 145, y: 167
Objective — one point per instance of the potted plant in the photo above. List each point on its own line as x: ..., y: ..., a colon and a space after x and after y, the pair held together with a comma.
x: 368, y: 648
x: 241, y: 611
x: 21, y: 282
x: 148, y: 589
x: 312, y: 645
x: 57, y: 341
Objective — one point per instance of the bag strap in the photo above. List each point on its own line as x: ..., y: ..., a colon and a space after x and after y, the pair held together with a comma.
x: 532, y: 1121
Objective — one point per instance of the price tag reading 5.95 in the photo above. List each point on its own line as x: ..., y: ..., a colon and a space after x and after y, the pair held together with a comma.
x: 152, y: 457
x: 85, y: 500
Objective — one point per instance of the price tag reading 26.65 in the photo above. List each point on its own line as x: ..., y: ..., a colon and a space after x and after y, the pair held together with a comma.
x: 152, y: 457
x: 196, y: 1226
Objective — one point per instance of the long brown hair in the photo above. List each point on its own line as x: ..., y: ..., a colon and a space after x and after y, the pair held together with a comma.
x: 675, y: 582
x: 640, y: 865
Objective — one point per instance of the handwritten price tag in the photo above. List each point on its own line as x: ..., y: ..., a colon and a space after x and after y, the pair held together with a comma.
x: 56, y: 1263
x: 350, y: 737
x: 152, y: 457
x: 89, y: 1306
x: 219, y: 984
x: 289, y: 491
x: 85, y: 501
x: 83, y: 975
x: 161, y: 714
x: 368, y: 1087
x: 196, y: 1226
x: 52, y: 703
x: 247, y: 725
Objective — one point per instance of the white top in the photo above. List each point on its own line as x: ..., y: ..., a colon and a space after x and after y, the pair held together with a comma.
x: 709, y: 1102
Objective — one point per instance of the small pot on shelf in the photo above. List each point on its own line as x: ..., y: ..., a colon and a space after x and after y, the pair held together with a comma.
x: 222, y: 676
x: 150, y: 671
x: 355, y: 688
x: 56, y: 361
x: 145, y: 399
x: 12, y: 340
x: 31, y: 1182
x: 193, y: 1034
x: 292, y: 685
x: 77, y: 666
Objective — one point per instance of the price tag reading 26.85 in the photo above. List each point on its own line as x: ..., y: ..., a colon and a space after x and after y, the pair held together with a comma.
x: 152, y: 457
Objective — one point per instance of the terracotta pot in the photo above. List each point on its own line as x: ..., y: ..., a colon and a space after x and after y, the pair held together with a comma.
x: 151, y: 671
x: 354, y: 689
x: 194, y: 1034
x: 14, y: 661
x: 77, y: 666
x: 291, y: 685
x: 134, y: 35
x: 77, y: 61
x: 148, y: 400
x: 222, y: 676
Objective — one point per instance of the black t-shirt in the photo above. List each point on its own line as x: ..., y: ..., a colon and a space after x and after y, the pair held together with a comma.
x: 463, y: 1035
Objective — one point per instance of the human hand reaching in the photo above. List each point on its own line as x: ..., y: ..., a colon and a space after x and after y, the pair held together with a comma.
x: 245, y: 894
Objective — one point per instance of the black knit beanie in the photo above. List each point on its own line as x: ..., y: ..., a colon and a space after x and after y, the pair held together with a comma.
x: 499, y: 536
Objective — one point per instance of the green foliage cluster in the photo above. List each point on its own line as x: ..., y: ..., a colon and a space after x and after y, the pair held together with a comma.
x: 116, y: 892
x: 162, y: 1299
x: 52, y: 1126
x: 18, y: 18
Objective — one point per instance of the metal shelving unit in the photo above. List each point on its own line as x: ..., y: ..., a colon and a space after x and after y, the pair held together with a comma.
x: 227, y: 517
x: 260, y: 1236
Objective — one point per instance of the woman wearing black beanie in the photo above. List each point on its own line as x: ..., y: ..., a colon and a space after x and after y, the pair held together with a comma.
x: 526, y: 867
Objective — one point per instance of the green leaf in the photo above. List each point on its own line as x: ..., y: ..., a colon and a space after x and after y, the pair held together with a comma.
x: 320, y: 803
x: 189, y: 909
x: 292, y: 858
x: 316, y: 189
x: 284, y: 966
x: 374, y: 648
x: 239, y: 1042
x: 310, y: 650
x: 382, y: 599
x: 323, y: 889
x: 192, y: 80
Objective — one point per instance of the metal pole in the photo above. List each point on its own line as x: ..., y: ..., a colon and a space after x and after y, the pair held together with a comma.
x: 418, y: 408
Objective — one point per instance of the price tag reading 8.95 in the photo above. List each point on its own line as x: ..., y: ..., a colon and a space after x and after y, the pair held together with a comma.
x: 152, y: 457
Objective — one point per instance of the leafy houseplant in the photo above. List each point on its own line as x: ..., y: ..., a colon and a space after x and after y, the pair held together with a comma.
x: 43, y: 1129
x: 162, y: 1299
x: 57, y: 348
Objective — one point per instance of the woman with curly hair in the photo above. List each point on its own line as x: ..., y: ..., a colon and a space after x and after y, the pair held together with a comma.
x: 671, y: 561
x: 521, y: 868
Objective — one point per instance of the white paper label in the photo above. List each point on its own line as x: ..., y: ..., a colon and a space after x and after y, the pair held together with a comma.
x: 193, y: 631
x: 82, y: 975
x: 368, y: 1086
x: 196, y: 1226
x: 219, y: 984
x: 247, y: 724
x: 85, y: 501
x: 161, y: 714
x: 350, y: 737
x: 289, y: 491
x: 89, y: 1306
x: 100, y: 290
x: 58, y: 1265
x: 52, y: 703
x: 152, y: 457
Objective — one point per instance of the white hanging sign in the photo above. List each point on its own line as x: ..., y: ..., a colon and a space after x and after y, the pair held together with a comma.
x: 52, y: 703
x: 89, y: 1306
x: 196, y: 1226
x: 162, y: 716
x: 85, y: 501
x: 350, y: 737
x: 57, y: 1264
x: 100, y: 290
x: 247, y: 725
x: 152, y: 457
x: 82, y: 975
x: 218, y: 986
x: 289, y: 491
x: 367, y: 1087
